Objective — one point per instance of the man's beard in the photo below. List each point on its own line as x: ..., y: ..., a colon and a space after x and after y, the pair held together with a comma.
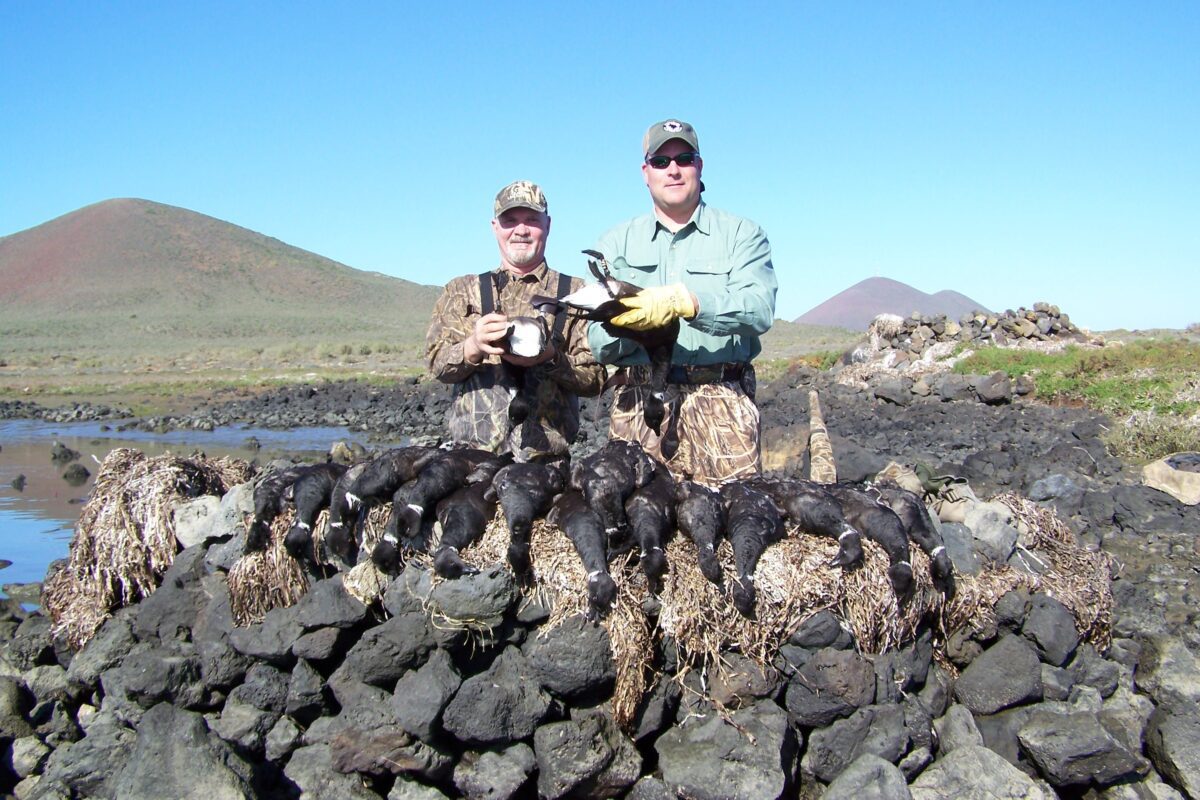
x: 522, y: 254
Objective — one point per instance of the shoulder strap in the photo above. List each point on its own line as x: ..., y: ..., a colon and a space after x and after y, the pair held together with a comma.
x: 487, y: 299
x: 560, y: 316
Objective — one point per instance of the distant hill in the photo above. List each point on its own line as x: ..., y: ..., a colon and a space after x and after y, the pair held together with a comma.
x: 133, y: 272
x: 855, y: 307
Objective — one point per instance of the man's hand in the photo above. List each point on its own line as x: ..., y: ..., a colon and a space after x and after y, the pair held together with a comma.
x: 484, y: 341
x: 655, y: 307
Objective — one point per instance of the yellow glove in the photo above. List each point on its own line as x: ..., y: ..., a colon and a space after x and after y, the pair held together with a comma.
x: 655, y: 307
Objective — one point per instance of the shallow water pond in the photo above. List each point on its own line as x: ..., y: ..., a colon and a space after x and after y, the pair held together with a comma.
x: 38, y: 520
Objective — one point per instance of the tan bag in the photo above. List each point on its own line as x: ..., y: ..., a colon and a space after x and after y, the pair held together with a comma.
x: 953, y: 502
x: 902, y: 476
x: 948, y: 497
x: 1165, y: 476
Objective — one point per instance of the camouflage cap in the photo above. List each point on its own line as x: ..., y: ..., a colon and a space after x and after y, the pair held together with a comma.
x: 521, y: 194
x: 662, y: 132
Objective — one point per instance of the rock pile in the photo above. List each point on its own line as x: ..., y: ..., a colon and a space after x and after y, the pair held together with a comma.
x: 462, y: 688
x: 904, y: 360
x: 917, y: 333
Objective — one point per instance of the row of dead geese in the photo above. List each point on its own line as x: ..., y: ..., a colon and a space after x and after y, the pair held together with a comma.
x: 608, y: 502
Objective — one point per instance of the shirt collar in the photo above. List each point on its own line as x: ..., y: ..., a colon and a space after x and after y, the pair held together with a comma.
x: 535, y: 275
x: 699, y: 220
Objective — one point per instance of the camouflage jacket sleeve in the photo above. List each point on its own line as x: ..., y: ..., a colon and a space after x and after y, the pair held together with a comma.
x: 454, y: 317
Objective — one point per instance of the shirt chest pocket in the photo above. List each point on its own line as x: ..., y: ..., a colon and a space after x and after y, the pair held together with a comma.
x: 635, y: 265
x: 708, y: 266
x: 707, y: 274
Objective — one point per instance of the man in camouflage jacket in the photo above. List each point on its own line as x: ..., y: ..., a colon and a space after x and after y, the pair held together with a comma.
x: 464, y: 345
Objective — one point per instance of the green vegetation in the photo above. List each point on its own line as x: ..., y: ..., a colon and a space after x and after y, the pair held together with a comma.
x: 167, y: 377
x: 789, y: 340
x: 773, y: 369
x: 767, y: 370
x: 1150, y: 387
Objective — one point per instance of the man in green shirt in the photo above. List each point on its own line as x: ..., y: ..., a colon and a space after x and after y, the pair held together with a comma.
x: 712, y: 271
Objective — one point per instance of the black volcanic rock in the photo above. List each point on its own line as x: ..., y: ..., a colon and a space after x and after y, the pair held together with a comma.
x: 752, y: 755
x: 588, y: 757
x: 422, y: 694
x: 498, y: 706
x: 1005, y: 675
x: 573, y: 661
x: 831, y: 685
x: 1074, y: 749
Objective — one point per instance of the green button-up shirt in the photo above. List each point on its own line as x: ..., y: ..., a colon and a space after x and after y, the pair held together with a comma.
x: 722, y: 259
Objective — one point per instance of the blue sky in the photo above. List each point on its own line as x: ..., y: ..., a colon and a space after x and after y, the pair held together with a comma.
x: 1015, y: 152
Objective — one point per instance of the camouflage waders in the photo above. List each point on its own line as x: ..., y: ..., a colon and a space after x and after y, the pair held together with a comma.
x: 716, y: 424
x: 479, y: 416
x: 821, y: 466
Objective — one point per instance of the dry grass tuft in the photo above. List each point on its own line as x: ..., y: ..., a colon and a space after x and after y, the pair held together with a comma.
x: 701, y: 617
x: 794, y: 581
x: 632, y: 640
x: 1078, y: 578
x: 492, y: 547
x: 884, y: 327
x: 869, y: 605
x: 68, y: 601
x: 364, y: 581
x: 974, y: 602
x: 560, y: 584
x: 372, y: 529
x: 269, y: 579
x: 319, y: 554
x: 125, y: 538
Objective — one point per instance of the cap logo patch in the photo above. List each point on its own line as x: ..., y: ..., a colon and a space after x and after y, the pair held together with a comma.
x: 672, y: 126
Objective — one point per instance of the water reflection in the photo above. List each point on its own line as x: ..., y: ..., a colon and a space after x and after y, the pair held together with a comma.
x: 37, y: 520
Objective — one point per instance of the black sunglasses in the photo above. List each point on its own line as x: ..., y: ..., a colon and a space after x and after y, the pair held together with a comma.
x: 682, y: 159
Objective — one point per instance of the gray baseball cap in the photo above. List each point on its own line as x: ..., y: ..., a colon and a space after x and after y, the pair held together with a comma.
x: 521, y: 194
x: 662, y: 132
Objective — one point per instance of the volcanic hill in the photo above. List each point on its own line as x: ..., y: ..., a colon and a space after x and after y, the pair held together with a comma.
x: 855, y: 307
x: 133, y: 273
